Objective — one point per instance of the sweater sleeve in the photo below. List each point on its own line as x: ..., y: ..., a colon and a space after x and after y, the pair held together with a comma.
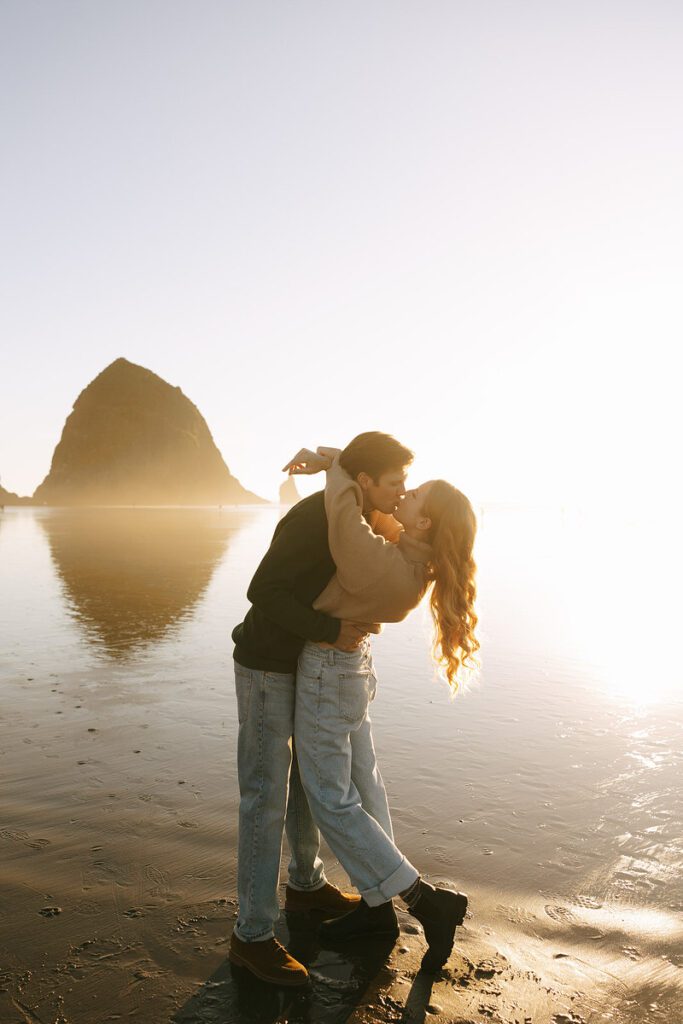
x: 271, y: 589
x: 361, y: 556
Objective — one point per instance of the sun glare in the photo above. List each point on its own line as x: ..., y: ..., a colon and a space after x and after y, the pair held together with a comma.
x: 628, y: 591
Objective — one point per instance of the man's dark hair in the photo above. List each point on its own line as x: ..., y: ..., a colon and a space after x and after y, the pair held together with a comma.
x: 374, y: 453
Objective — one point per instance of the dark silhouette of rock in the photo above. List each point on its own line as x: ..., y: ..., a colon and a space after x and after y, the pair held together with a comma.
x: 133, y: 439
x: 10, y: 498
x: 288, y: 492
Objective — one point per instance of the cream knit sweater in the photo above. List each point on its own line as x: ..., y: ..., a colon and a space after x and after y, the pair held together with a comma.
x: 376, y: 580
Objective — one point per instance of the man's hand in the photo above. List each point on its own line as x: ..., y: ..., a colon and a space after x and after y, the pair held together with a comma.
x: 306, y: 463
x: 351, y: 634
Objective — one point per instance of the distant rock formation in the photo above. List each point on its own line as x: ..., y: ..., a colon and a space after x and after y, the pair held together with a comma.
x: 133, y: 439
x: 288, y: 492
x: 9, y: 498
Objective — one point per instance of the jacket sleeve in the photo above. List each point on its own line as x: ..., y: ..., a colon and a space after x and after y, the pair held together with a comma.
x: 361, y: 556
x: 272, y: 588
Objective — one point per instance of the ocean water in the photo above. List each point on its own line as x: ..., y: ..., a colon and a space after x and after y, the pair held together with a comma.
x: 552, y: 781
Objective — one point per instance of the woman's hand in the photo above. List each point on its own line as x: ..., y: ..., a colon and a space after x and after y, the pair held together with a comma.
x: 329, y: 453
x: 306, y: 462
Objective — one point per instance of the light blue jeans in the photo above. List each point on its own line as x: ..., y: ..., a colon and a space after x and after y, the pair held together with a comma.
x: 271, y: 799
x: 333, y: 736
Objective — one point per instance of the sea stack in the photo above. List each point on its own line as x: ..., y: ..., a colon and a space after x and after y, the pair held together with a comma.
x: 288, y: 492
x: 133, y: 439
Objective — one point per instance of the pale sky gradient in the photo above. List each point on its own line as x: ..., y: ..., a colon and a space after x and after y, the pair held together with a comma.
x: 458, y: 222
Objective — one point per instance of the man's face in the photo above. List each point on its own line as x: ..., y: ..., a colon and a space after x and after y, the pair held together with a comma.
x: 386, y: 493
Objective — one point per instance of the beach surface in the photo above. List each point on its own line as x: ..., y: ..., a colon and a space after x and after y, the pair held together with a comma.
x: 555, y: 806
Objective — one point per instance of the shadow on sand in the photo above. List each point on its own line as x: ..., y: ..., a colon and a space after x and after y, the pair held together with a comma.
x: 341, y: 980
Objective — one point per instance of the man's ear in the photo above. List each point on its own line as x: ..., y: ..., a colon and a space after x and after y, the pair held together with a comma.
x: 364, y: 481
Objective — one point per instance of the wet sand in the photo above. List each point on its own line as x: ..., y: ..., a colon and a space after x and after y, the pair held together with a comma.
x: 157, y: 963
x: 118, y: 899
x: 556, y: 805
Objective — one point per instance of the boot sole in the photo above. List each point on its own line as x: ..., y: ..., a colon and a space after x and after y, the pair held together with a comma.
x: 236, y: 959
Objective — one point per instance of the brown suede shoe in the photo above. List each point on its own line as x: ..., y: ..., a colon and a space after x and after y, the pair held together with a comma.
x: 329, y: 900
x: 268, y: 960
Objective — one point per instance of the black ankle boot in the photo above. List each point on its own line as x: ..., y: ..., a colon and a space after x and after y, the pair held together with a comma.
x: 364, y: 920
x: 439, y: 911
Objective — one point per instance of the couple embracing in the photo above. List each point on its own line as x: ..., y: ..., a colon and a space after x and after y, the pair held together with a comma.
x: 362, y: 552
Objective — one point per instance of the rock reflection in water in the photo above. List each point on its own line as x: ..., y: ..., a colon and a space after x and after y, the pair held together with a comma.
x: 131, y: 575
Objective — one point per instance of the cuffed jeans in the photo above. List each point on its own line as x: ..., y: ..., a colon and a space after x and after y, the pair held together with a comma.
x: 333, y: 736
x: 271, y: 799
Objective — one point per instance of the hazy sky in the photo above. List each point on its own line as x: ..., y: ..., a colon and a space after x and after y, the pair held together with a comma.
x: 458, y: 222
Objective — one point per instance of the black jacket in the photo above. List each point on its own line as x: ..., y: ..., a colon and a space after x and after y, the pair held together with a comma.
x: 295, y: 569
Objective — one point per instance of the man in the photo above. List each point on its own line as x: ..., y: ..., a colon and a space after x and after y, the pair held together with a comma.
x: 296, y: 568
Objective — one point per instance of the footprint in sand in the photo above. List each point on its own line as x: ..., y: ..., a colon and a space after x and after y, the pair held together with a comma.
x: 517, y: 915
x: 161, y: 888
x: 104, y: 871
x: 558, y: 913
x: 18, y: 836
x: 14, y: 834
x: 588, y: 902
x: 88, y: 908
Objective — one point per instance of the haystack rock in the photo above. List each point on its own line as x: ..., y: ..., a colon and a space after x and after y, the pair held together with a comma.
x: 133, y: 439
x: 288, y: 492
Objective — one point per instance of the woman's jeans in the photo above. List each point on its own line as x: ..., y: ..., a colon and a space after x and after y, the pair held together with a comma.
x: 271, y: 798
x: 333, y: 736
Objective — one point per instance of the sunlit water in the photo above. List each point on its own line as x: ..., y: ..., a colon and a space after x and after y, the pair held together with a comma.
x: 557, y: 773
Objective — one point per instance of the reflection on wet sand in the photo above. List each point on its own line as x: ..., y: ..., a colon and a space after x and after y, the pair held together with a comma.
x: 339, y: 983
x: 130, y: 575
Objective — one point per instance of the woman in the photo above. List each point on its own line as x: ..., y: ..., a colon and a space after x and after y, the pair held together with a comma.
x: 379, y: 581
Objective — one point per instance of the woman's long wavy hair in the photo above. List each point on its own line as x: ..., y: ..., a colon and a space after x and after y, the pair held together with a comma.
x: 453, y: 572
